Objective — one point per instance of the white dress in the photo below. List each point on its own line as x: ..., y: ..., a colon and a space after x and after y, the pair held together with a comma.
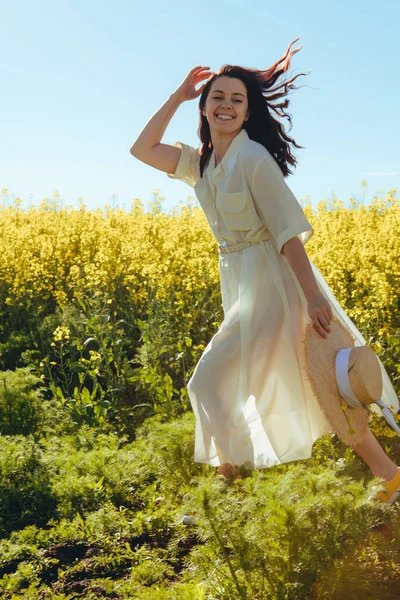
x: 252, y: 401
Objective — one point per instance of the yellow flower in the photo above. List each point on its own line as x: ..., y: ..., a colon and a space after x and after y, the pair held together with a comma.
x: 61, y: 333
x: 53, y: 255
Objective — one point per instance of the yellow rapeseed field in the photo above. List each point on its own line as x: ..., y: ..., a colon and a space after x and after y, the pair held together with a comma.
x: 55, y: 254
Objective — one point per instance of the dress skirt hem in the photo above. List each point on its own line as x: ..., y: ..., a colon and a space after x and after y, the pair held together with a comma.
x: 253, y: 402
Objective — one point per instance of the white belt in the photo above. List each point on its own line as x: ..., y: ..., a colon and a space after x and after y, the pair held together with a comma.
x: 225, y: 249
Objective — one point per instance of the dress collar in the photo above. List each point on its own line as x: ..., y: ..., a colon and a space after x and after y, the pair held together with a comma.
x: 230, y: 155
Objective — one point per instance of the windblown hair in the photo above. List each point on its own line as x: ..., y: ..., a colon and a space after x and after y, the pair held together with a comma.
x: 261, y: 126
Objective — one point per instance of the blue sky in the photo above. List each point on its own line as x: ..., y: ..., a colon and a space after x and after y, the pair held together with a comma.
x: 81, y: 79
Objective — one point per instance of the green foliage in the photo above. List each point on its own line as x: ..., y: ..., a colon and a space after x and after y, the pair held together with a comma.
x: 17, y: 341
x: 170, y: 449
x: 82, y: 356
x: 23, y: 409
x: 371, y: 571
x: 90, y: 475
x: 166, y: 357
x: 118, y: 530
x: 25, y: 486
x: 85, y: 357
x: 275, y: 532
x: 177, y: 591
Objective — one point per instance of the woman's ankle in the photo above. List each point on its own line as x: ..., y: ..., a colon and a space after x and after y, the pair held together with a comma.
x: 388, y: 474
x: 228, y: 471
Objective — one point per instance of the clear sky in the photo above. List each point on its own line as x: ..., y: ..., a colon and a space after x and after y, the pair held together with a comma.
x: 80, y: 79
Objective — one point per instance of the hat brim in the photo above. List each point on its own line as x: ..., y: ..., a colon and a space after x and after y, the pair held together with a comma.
x: 349, y: 423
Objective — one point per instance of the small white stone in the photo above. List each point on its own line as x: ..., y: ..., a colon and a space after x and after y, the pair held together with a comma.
x: 187, y: 520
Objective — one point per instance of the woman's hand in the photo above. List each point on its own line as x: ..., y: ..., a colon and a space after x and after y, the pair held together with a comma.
x: 187, y: 91
x: 320, y: 312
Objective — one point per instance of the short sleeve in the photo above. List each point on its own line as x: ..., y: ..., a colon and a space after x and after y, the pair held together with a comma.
x: 278, y: 207
x: 188, y: 169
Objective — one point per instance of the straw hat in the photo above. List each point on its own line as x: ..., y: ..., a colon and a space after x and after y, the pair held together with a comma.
x: 345, y: 378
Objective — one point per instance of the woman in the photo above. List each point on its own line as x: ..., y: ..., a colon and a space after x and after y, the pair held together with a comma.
x: 251, y: 400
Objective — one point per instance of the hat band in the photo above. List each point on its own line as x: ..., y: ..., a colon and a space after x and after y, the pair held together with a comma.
x: 343, y: 381
x: 342, y: 378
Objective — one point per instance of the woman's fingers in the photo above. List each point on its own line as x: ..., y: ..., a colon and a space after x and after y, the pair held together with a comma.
x: 325, y: 322
x: 199, y: 73
x: 321, y: 324
x: 320, y: 311
x: 199, y: 69
x: 320, y: 329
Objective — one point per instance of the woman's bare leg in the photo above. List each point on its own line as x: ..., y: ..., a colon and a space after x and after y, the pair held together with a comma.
x: 374, y: 455
x: 369, y: 449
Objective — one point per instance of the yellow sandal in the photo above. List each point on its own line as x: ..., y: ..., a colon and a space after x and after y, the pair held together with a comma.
x: 391, y: 490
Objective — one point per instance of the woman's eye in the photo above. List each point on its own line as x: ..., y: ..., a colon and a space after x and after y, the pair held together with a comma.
x: 240, y: 101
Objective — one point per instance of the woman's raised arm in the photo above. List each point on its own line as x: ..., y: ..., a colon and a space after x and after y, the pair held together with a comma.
x: 148, y: 147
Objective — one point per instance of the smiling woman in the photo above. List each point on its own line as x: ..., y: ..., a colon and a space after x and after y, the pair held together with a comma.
x: 252, y: 401
x: 218, y: 95
x: 226, y: 110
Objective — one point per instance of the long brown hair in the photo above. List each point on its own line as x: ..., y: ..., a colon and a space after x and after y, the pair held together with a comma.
x: 261, y: 126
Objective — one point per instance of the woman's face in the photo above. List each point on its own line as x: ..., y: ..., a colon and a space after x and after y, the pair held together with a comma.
x: 227, y: 96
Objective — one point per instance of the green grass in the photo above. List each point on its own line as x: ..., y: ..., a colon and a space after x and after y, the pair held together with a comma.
x: 103, y: 520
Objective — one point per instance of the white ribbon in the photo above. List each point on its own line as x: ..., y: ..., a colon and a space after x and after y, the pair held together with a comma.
x: 342, y: 378
x: 388, y: 415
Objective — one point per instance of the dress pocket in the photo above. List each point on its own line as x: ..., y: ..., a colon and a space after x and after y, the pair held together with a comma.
x: 235, y: 210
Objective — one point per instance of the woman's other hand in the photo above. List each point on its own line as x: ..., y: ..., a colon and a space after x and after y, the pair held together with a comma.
x: 187, y: 89
x: 320, y: 312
